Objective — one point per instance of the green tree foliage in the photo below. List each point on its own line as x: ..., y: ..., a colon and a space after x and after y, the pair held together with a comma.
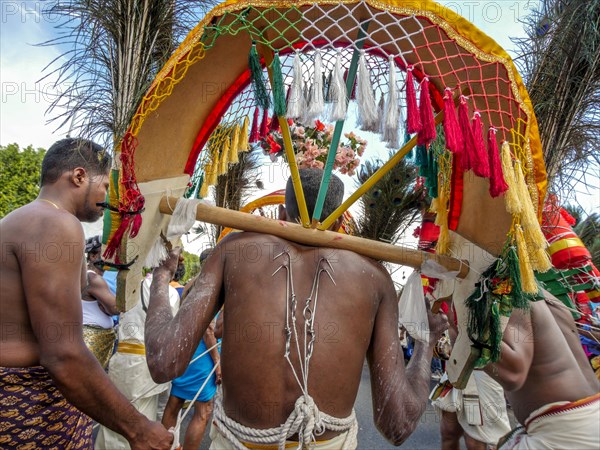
x: 561, y: 67
x: 192, y: 266
x: 19, y: 176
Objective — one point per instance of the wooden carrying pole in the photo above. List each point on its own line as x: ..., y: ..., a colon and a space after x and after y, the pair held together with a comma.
x: 318, y: 238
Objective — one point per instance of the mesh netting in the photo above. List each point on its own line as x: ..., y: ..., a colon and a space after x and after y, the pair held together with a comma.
x: 422, y: 41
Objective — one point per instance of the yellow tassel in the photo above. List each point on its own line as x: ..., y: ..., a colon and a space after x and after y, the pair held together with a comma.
x: 534, y: 237
x: 233, y: 149
x: 528, y: 283
x: 204, y: 189
x: 243, y: 139
x: 223, y: 157
x: 211, y: 173
x: 511, y: 197
x: 441, y: 219
x: 434, y: 205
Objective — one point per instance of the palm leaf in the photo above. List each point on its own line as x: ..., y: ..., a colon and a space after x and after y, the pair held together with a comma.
x: 560, y: 61
x: 113, y: 50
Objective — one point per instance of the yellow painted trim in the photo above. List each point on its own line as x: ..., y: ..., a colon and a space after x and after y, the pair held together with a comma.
x: 130, y: 348
x: 564, y: 244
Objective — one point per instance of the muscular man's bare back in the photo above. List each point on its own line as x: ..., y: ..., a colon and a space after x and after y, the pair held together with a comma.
x: 356, y: 315
x: 256, y: 374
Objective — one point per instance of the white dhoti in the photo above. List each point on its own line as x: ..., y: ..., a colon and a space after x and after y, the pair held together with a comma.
x: 560, y: 425
x: 480, y: 408
x: 305, y: 420
x: 130, y: 374
x: 220, y: 442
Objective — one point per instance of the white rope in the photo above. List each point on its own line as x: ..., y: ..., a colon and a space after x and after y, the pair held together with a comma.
x: 143, y: 394
x: 305, y: 420
x: 181, y: 416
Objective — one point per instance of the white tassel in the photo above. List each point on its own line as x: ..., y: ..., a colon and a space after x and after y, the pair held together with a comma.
x: 296, y: 104
x: 316, y: 104
x: 304, y: 118
x: 367, y: 106
x: 391, y: 121
x: 337, y: 92
x: 158, y: 253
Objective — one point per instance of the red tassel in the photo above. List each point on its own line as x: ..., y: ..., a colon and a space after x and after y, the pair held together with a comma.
x: 497, y: 184
x: 264, y: 124
x: 427, y: 132
x: 413, y: 120
x: 274, y: 125
x: 454, y: 138
x: 568, y: 217
x: 481, y: 164
x: 253, y: 137
x: 115, y: 242
x: 465, y: 128
x: 135, y: 227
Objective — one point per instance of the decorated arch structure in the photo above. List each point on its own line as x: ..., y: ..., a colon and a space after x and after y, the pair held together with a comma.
x: 402, y: 67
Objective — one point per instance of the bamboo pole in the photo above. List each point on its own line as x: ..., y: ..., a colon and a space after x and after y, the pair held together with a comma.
x: 318, y: 238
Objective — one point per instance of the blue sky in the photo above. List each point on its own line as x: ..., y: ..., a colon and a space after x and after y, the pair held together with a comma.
x: 25, y: 98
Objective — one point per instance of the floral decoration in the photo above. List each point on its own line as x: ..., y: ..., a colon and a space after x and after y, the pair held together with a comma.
x: 311, y: 145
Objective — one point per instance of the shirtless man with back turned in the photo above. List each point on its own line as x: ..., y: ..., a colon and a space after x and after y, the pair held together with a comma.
x: 261, y: 280
x: 49, y: 380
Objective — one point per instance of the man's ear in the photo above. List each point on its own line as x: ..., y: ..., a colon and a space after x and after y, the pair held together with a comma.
x: 282, y: 213
x: 78, y: 176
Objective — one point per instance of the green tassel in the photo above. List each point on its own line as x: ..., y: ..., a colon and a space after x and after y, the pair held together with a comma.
x: 278, y: 89
x: 422, y: 160
x: 519, y: 298
x: 495, y: 339
x: 260, y: 89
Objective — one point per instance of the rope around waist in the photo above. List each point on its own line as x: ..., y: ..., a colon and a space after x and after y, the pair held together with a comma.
x: 305, y: 420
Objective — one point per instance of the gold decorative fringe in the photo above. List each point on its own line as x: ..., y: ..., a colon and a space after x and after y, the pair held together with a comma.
x: 434, y: 205
x: 511, y: 197
x: 528, y: 283
x: 243, y: 143
x: 534, y: 237
x: 233, y: 149
x: 211, y: 171
x: 441, y: 220
x: 204, y: 189
x: 224, y: 157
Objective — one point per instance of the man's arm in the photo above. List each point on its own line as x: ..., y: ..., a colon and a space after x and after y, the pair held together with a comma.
x: 171, y: 341
x: 211, y: 341
x: 53, y: 293
x: 399, y: 394
x: 98, y: 288
x: 516, y: 352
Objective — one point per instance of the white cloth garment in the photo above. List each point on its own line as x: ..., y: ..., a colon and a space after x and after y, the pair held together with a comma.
x: 129, y: 372
x: 560, y: 425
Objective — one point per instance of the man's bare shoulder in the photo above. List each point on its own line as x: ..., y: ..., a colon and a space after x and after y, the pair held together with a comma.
x: 39, y: 225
